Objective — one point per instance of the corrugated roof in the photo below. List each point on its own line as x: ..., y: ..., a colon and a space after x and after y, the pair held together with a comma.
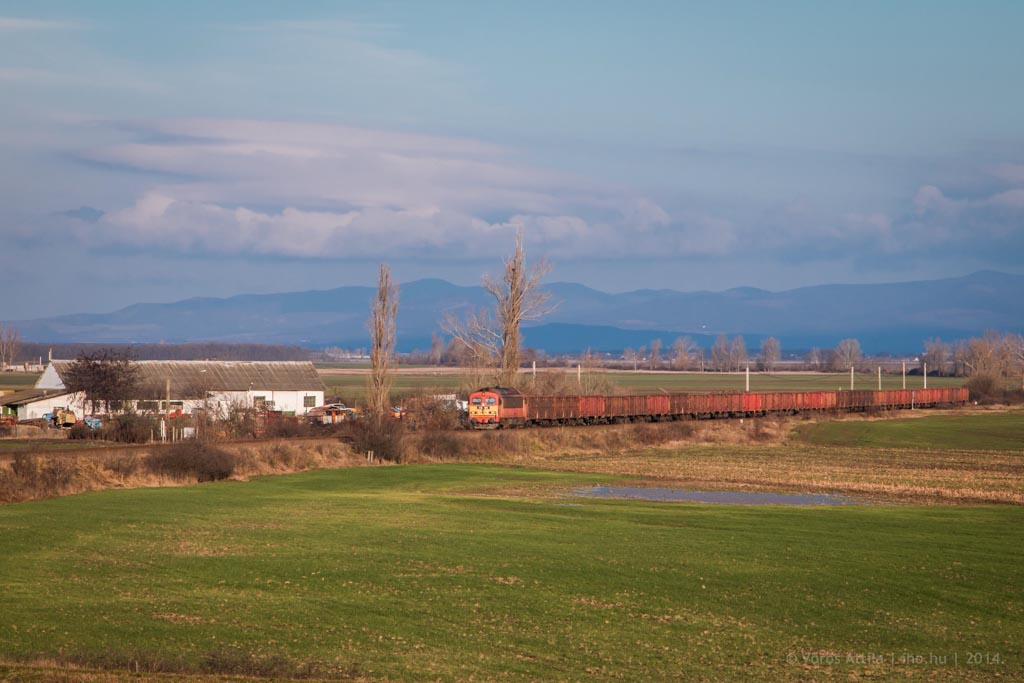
x: 192, y: 378
x: 28, y: 396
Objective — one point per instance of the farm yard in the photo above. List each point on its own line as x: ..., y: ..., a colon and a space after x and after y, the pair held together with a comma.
x: 483, y: 564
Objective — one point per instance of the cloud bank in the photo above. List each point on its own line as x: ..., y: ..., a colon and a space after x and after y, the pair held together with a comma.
x: 328, y: 191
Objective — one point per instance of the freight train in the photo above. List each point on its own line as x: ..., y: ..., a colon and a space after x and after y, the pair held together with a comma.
x: 496, y: 407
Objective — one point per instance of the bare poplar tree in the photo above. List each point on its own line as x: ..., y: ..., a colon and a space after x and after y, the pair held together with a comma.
x: 936, y: 355
x: 737, y: 353
x: 720, y: 353
x: 683, y: 350
x: 436, y: 348
x: 10, y: 342
x: 655, y: 353
x: 848, y: 354
x: 517, y: 297
x: 382, y: 345
x: 771, y: 353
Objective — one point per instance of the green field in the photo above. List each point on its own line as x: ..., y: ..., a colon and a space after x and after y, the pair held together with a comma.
x: 353, y: 387
x: 993, y: 431
x: 715, y: 381
x: 443, y: 572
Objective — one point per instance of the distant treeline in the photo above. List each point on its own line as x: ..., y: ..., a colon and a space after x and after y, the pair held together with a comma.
x: 32, y: 352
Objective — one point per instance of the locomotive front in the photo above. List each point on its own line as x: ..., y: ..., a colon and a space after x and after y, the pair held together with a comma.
x: 484, y: 409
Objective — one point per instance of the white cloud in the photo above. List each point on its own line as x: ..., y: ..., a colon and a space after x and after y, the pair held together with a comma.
x: 28, y: 24
x: 1011, y: 173
x: 332, y: 191
x: 319, y: 190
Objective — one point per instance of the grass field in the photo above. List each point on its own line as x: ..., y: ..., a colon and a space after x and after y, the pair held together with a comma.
x: 1003, y: 431
x: 353, y: 386
x: 446, y: 572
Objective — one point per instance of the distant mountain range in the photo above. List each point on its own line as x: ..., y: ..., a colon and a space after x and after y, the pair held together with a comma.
x: 885, y: 317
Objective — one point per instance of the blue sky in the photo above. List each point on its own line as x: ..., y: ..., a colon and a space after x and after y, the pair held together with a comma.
x: 262, y: 146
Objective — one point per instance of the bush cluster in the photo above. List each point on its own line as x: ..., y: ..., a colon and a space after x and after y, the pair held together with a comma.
x: 128, y: 428
x: 387, y: 441
x: 989, y: 389
x: 193, y: 459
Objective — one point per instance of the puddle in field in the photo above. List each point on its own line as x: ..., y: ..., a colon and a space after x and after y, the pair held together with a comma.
x: 726, y: 497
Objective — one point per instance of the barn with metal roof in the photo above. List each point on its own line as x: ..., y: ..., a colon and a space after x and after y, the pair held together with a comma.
x: 289, y: 387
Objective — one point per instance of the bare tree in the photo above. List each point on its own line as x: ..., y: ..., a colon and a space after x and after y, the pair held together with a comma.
x: 683, y: 350
x: 771, y: 353
x: 720, y: 353
x: 629, y: 355
x: 655, y: 353
x: 847, y: 354
x: 436, y: 348
x: 737, y: 353
x: 517, y: 297
x: 10, y: 342
x: 814, y: 358
x: 936, y: 355
x: 1015, y: 345
x: 382, y: 345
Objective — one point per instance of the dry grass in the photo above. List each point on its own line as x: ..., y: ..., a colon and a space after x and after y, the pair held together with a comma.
x: 947, y: 477
x: 513, y: 444
x: 752, y: 455
x: 33, y: 476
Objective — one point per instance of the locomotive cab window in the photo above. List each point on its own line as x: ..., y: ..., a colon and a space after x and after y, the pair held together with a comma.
x: 477, y: 401
x: 491, y: 401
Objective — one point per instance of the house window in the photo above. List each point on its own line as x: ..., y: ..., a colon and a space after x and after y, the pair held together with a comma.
x: 309, y: 401
x: 259, y: 401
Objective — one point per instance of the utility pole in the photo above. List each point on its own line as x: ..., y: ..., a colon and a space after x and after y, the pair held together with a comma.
x: 925, y: 375
x: 167, y: 413
x: 879, y: 377
x: 579, y: 375
x: 748, y: 379
x: 851, y: 378
x: 904, y: 374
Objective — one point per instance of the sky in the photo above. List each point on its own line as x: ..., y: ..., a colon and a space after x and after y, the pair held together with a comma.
x: 152, y: 152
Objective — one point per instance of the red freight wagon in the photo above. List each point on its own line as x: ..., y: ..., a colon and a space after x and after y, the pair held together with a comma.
x: 503, y: 406
x: 593, y: 406
x: 658, y: 404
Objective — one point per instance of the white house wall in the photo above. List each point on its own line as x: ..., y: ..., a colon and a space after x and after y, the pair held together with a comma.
x: 49, y: 379
x: 46, y: 404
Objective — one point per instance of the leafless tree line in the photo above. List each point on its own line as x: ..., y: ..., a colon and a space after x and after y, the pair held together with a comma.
x: 994, y: 354
x: 10, y: 343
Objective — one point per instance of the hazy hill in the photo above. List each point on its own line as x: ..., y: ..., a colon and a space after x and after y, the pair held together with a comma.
x: 885, y: 317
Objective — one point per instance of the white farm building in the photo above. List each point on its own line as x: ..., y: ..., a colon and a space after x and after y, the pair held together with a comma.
x: 294, y: 388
